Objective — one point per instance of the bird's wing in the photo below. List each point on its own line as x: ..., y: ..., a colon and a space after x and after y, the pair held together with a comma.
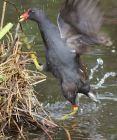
x: 65, y: 29
x: 81, y: 17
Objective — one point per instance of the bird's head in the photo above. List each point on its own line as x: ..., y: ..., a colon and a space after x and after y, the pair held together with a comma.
x: 32, y: 14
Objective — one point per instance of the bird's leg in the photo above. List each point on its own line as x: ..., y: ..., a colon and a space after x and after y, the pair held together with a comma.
x: 69, y: 92
x: 45, y: 67
x: 75, y: 108
x: 74, y: 111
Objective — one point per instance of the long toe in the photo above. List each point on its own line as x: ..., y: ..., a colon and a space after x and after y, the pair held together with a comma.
x: 67, y: 116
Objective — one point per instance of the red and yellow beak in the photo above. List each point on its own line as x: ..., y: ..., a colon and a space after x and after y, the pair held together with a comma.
x: 24, y: 16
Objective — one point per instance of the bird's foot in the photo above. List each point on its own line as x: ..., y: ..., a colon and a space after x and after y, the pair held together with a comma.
x: 67, y: 116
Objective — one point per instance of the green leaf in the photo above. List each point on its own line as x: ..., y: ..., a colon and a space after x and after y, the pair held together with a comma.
x: 5, y: 30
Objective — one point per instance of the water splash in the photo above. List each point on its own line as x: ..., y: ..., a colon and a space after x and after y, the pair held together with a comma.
x: 107, y: 75
x: 93, y: 70
x: 114, y: 98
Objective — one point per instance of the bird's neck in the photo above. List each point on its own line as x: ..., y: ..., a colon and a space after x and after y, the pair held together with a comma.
x: 48, y: 30
x: 43, y: 21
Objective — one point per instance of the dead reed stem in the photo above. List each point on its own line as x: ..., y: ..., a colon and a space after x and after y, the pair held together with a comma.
x: 19, y: 107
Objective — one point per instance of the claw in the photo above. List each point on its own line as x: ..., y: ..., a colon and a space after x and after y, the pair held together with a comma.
x: 67, y: 116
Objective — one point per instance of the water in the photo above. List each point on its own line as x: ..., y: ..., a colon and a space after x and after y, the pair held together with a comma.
x: 93, y: 121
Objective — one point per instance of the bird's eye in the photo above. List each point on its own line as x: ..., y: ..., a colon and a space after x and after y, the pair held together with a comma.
x: 31, y: 11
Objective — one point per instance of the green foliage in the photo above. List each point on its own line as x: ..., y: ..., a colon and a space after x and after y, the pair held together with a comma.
x: 5, y: 30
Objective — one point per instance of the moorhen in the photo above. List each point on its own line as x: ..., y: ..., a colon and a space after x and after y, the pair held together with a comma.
x: 79, y: 22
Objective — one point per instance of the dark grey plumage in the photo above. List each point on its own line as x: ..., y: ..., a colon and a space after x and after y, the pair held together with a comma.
x: 60, y: 60
x: 79, y: 25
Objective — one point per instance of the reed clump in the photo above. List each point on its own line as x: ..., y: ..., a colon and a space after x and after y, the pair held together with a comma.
x: 19, y: 108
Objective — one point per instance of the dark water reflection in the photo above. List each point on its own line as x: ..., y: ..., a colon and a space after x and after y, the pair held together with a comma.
x: 94, y: 121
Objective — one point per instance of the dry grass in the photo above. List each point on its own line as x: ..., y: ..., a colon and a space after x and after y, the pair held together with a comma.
x: 19, y: 108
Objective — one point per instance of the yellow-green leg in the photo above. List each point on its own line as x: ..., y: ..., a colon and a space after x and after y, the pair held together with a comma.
x: 67, y: 116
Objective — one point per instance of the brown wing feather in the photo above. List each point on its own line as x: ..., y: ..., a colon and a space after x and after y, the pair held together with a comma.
x: 83, y: 15
x: 79, y: 22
